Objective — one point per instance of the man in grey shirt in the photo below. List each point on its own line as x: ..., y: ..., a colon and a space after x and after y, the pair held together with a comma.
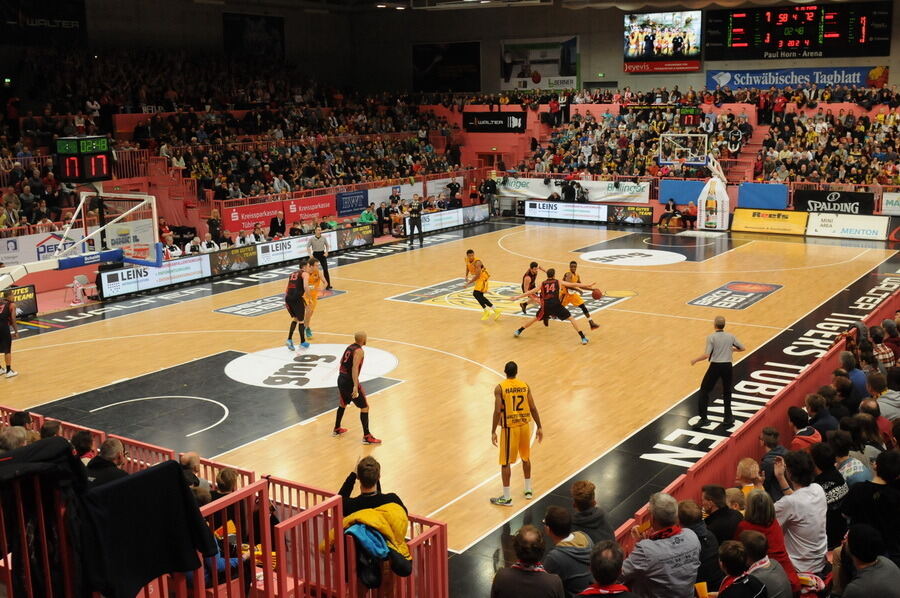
x: 318, y: 247
x: 875, y: 575
x: 766, y: 570
x: 720, y: 346
x: 664, y: 562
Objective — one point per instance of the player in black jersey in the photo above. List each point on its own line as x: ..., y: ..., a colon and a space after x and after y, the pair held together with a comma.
x: 7, y: 321
x: 297, y: 285
x: 351, y: 391
x: 529, y: 281
x: 551, y: 307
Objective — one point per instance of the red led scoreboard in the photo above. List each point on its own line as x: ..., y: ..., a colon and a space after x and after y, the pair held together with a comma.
x: 809, y: 31
x: 83, y: 159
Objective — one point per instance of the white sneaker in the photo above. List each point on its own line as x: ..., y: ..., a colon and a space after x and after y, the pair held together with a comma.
x: 10, y: 373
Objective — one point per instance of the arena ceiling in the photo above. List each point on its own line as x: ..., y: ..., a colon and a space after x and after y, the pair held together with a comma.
x: 626, y: 5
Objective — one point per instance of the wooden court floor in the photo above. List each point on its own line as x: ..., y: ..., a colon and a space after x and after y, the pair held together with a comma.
x: 435, y: 419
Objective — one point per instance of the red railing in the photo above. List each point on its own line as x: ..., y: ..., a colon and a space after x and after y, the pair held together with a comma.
x: 719, y: 465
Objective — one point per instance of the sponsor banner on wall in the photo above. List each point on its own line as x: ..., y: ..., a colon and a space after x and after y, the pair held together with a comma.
x: 447, y: 67
x: 784, y: 222
x: 246, y: 217
x: 566, y: 211
x: 495, y: 122
x: 665, y: 66
x: 132, y: 280
x: 358, y: 236
x: 233, y: 259
x: 633, y: 215
x: 682, y: 192
x: 861, y: 76
x: 53, y: 22
x: 39, y: 246
x: 351, y: 203
x: 847, y: 226
x: 308, y: 207
x: 662, y: 42
x: 434, y: 221
x: 736, y: 295
x: 597, y: 191
x: 544, y: 63
x: 283, y: 250
x: 844, y: 202
x: 890, y: 203
x: 25, y: 299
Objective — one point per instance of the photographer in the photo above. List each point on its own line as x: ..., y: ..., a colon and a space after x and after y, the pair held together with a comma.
x: 567, y: 189
x: 554, y: 197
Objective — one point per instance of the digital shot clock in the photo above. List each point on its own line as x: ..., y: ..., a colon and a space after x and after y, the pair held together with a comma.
x: 83, y: 159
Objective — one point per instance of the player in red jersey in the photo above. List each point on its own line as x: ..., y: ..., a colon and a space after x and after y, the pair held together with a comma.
x: 551, y: 307
x: 297, y: 285
x: 351, y: 391
x: 529, y: 281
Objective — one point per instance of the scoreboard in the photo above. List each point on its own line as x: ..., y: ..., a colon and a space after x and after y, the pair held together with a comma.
x: 808, y: 31
x: 83, y: 159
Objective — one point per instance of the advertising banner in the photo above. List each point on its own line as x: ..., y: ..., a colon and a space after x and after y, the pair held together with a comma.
x: 566, y: 211
x: 358, y: 236
x: 784, y: 222
x: 890, y: 203
x: 308, y: 207
x: 844, y: 202
x: 49, y: 22
x: 861, y: 76
x: 246, y: 217
x: 283, y: 250
x: 545, y: 63
x: 39, y: 246
x: 25, y: 299
x: 351, y: 203
x: 234, y: 259
x: 633, y: 215
x: 763, y: 195
x: 847, y: 226
x: 447, y: 67
x: 736, y: 295
x: 494, y: 122
x: 142, y: 278
x: 597, y: 191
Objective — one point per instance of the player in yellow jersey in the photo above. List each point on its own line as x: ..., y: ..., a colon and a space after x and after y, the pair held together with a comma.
x: 571, y: 296
x: 480, y: 280
x: 470, y: 264
x: 514, y: 409
x: 312, y: 294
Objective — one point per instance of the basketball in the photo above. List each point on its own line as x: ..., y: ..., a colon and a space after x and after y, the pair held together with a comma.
x: 596, y: 293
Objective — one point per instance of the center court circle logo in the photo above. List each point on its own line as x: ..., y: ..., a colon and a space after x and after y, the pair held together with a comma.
x: 633, y: 257
x: 316, y: 367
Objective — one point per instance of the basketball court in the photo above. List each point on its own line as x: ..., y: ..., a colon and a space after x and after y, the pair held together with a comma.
x: 204, y: 368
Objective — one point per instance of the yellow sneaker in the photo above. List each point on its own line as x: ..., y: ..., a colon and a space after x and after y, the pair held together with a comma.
x: 497, y: 314
x: 486, y: 315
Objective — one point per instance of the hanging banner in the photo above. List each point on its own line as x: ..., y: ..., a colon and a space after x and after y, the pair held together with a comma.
x: 844, y: 202
x: 494, y: 122
x: 784, y: 222
x: 596, y: 191
x: 308, y: 207
x: 861, y: 76
x: 246, y: 217
x: 351, y: 203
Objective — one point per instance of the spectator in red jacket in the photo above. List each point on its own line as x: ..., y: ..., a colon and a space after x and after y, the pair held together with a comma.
x: 804, y: 435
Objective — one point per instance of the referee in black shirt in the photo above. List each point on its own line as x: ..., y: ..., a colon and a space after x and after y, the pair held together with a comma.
x: 415, y: 220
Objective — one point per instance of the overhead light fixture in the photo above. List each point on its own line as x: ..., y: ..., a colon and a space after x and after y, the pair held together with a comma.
x: 400, y: 7
x: 381, y: 6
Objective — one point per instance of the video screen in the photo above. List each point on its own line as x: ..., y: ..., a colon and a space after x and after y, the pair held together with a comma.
x: 663, y: 36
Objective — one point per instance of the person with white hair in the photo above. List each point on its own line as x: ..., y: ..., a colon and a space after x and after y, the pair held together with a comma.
x: 193, y: 247
x: 208, y: 245
x: 666, y: 558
